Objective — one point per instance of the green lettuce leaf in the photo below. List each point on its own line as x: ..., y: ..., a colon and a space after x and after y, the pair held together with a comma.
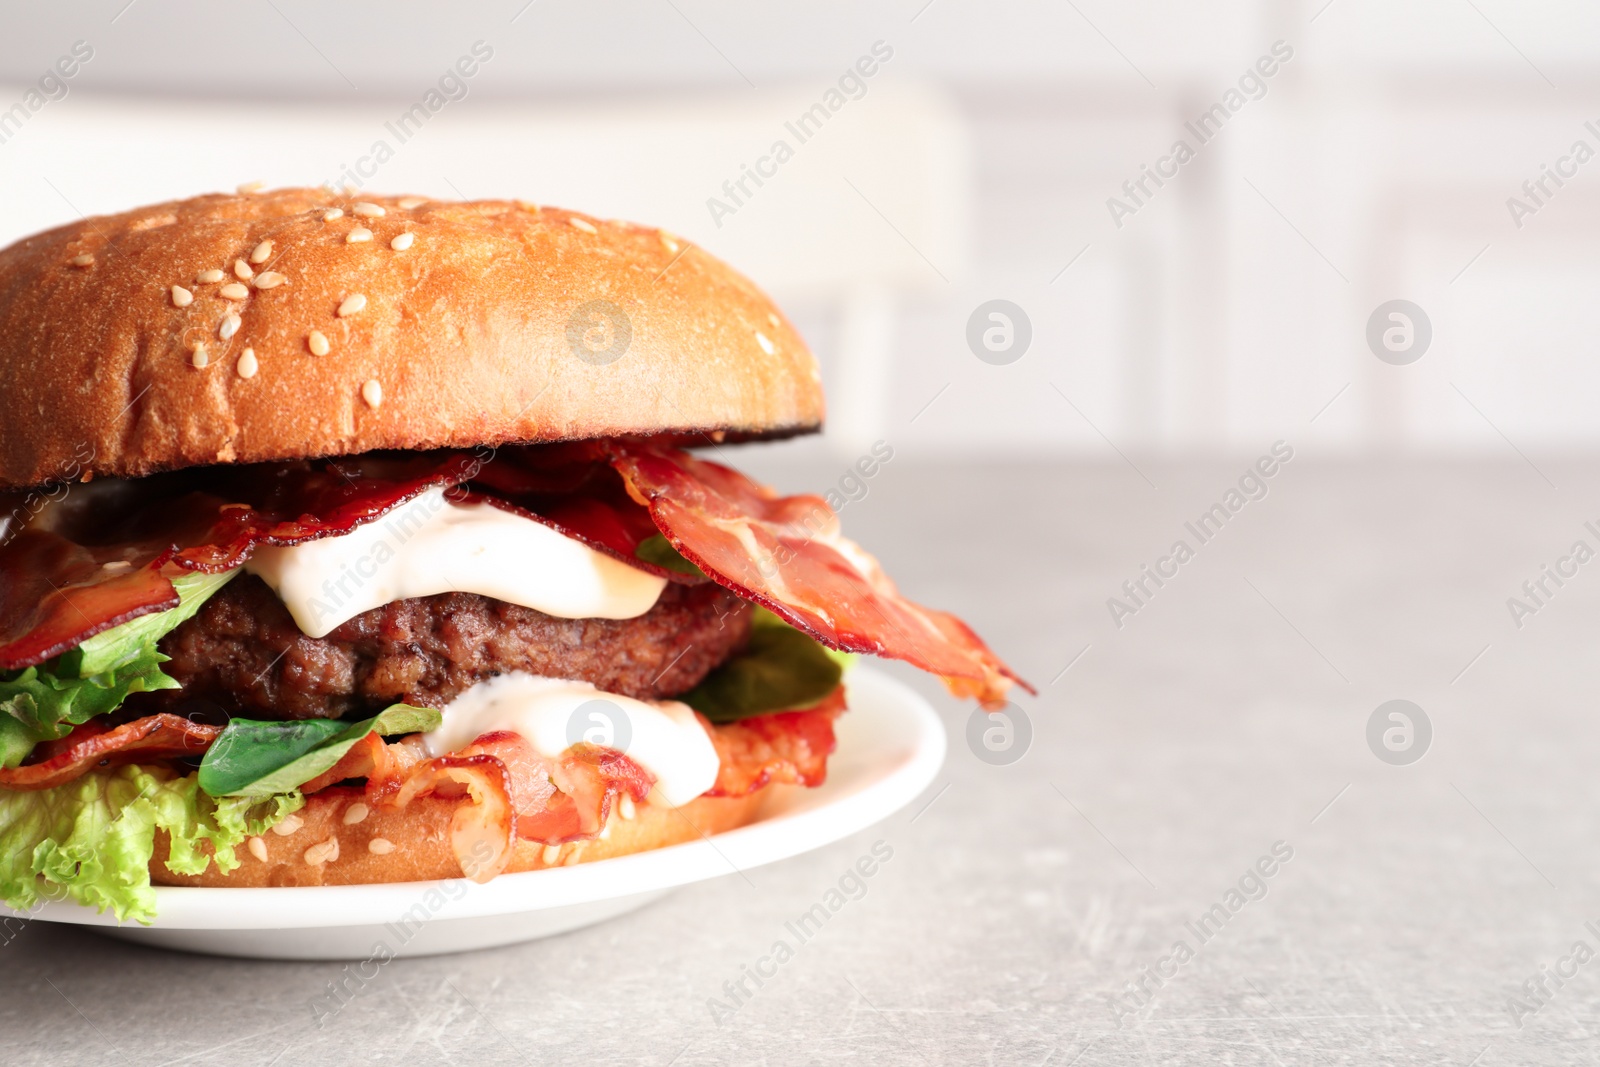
x: 112, y: 648
x: 45, y: 702
x: 782, y: 669
x: 91, y: 840
x: 251, y: 758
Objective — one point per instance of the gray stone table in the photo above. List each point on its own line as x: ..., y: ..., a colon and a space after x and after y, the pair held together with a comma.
x: 1031, y: 913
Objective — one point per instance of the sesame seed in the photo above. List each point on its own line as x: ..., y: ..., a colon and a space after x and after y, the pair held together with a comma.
x: 551, y: 854
x: 317, y: 342
x: 206, y: 277
x: 625, y: 806
x: 411, y: 202
x: 262, y: 253
x: 528, y: 205
x: 582, y: 224
x: 358, y: 235
x: 372, y: 392
x: 229, y: 327
x: 251, y: 187
x: 234, y: 291
x: 242, y: 270
x: 248, y: 364
x: 258, y: 848
x: 116, y: 566
x: 181, y: 297
x: 402, y: 241
x: 772, y: 317
x: 380, y: 846
x: 353, y: 304
x: 766, y: 345
x: 366, y: 210
x: 322, y: 852
x: 288, y: 826
x: 84, y: 260
x: 152, y: 222
x: 355, y: 813
x: 333, y: 213
x: 198, y: 356
x: 269, y: 279
x: 668, y: 243
x: 574, y: 855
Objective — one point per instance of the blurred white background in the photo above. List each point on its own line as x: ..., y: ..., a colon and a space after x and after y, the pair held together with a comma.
x: 976, y: 162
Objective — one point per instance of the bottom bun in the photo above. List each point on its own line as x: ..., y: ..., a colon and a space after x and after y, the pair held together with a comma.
x: 337, y: 839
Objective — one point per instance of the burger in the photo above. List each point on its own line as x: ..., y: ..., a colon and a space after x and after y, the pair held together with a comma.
x: 356, y: 541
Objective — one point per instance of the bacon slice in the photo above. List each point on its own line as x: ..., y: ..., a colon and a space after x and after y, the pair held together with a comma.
x: 790, y: 746
x: 552, y: 800
x: 572, y: 489
x: 786, y: 554
x: 783, y: 552
x: 288, y: 505
x: 93, y: 557
x: 565, y: 799
x: 591, y: 777
x: 513, y: 791
x: 377, y: 761
x: 55, y: 594
x: 92, y: 744
x: 481, y: 832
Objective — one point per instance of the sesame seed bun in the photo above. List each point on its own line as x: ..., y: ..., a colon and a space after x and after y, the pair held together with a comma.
x: 413, y: 843
x: 295, y: 324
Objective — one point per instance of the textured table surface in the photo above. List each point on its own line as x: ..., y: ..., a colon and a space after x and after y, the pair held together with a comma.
x: 1027, y: 904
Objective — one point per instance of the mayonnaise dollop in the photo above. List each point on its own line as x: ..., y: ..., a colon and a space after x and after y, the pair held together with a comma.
x: 429, y: 545
x: 663, y: 737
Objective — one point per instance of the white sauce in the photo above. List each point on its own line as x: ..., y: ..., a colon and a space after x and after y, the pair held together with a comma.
x: 664, y: 738
x: 429, y: 545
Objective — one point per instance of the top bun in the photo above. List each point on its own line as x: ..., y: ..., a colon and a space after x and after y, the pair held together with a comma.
x: 499, y: 322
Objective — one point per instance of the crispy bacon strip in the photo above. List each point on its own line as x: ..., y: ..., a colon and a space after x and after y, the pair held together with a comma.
x: 482, y: 833
x: 57, y: 590
x: 783, y: 552
x: 786, y: 553
x: 591, y: 777
x: 55, y: 594
x: 531, y: 787
x: 553, y: 800
x: 379, y: 762
x: 92, y: 744
x: 291, y: 504
x: 791, y: 747
x: 572, y: 489
x: 563, y: 799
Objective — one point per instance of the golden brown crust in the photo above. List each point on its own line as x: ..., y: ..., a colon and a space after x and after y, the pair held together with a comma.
x: 466, y: 332
x: 419, y: 834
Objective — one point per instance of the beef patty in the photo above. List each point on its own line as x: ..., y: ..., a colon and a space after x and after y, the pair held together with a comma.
x: 243, y: 651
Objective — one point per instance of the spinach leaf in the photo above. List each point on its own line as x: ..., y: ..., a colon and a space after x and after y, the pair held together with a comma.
x: 782, y: 669
x: 254, y: 758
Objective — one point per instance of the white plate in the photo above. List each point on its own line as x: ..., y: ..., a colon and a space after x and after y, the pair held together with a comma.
x: 891, y: 744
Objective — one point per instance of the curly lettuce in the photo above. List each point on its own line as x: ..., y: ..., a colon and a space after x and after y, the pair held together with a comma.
x: 92, y: 839
x: 44, y: 703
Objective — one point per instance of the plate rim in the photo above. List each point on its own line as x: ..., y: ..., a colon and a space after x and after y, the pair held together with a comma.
x: 873, y: 695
